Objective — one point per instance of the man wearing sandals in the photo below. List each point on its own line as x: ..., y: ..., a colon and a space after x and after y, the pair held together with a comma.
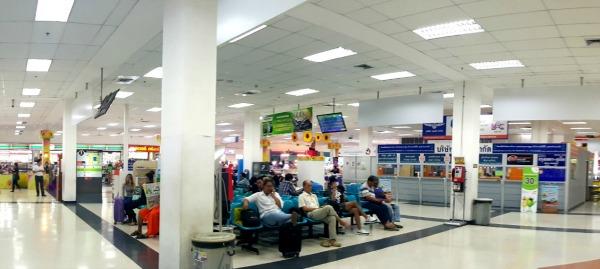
x: 309, y: 203
x: 375, y: 205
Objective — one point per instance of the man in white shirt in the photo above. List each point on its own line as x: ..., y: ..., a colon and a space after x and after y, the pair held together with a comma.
x: 38, y: 171
x: 309, y: 203
x: 269, y: 205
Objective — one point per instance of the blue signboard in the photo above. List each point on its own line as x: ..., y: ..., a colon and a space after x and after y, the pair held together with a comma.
x: 552, y: 174
x: 387, y: 158
x: 490, y: 159
x: 552, y: 159
x: 406, y: 148
x: 529, y: 148
x: 409, y: 158
x: 434, y: 158
x: 435, y: 129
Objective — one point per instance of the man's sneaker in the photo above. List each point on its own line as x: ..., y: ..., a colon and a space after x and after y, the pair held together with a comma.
x: 371, y: 219
x: 363, y: 231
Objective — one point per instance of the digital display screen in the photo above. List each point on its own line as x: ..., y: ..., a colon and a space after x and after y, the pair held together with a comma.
x: 332, y: 123
x: 105, y: 105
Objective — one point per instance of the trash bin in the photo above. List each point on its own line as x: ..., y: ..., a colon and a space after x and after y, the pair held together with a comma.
x: 482, y: 208
x: 213, y: 250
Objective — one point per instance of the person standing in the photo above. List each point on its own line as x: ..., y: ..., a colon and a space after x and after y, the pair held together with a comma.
x: 15, y: 177
x: 38, y: 171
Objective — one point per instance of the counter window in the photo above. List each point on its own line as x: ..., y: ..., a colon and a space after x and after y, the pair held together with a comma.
x: 490, y: 172
x: 409, y: 170
x: 387, y: 169
x: 434, y: 171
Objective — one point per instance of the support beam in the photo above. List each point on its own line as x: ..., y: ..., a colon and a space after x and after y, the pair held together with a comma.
x: 69, y: 151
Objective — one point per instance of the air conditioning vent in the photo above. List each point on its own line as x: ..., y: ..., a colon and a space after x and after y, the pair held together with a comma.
x: 126, y: 79
x: 593, y: 42
x: 363, y: 66
x: 248, y: 92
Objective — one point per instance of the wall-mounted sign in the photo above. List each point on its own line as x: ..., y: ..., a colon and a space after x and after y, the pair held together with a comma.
x: 488, y: 129
x: 288, y: 122
x: 387, y: 158
x: 550, y: 198
x: 490, y: 159
x: 410, y: 158
x: 89, y: 164
x: 552, y: 159
x: 143, y: 148
x: 435, y: 158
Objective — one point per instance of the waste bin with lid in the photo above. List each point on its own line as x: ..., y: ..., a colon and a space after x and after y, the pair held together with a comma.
x: 213, y: 250
x: 482, y: 208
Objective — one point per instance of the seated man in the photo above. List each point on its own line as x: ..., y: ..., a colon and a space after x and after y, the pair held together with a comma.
x: 309, y: 203
x: 269, y: 205
x: 377, y: 206
x: 338, y: 201
x: 387, y: 200
x: 150, y: 214
x: 286, y: 187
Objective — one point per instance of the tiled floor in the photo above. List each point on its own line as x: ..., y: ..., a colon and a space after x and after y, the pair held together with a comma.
x: 24, y: 196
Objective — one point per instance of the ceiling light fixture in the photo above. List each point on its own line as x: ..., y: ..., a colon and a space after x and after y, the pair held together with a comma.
x: 20, y: 127
x: 85, y: 134
x: 154, y: 109
x: 462, y: 27
x: 301, y: 92
x: 240, y: 105
x: 53, y: 10
x: 448, y: 95
x: 27, y: 104
x: 497, y: 64
x: 123, y: 94
x: 526, y: 129
x: 20, y: 122
x: 519, y: 123
x: 155, y: 73
x: 38, y: 65
x: 485, y: 106
x: 23, y: 115
x: 223, y: 124
x: 135, y: 130
x: 248, y: 33
x: 101, y: 128
x: 401, y: 127
x: 395, y: 75
x: 574, y: 122
x: 150, y: 126
x: 112, y: 124
x: 587, y: 133
x: 354, y: 104
x: 581, y: 128
x: 330, y: 55
x: 30, y: 91
x: 227, y: 131
x: 113, y: 135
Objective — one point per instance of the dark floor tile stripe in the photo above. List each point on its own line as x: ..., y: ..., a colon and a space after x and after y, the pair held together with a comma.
x: 550, y: 229
x: 423, y: 218
x: 141, y: 254
x: 350, y: 251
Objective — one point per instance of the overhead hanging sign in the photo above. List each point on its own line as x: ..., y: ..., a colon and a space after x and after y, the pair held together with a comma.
x: 529, y: 189
x: 288, y: 122
x: 488, y: 129
x: 412, y: 109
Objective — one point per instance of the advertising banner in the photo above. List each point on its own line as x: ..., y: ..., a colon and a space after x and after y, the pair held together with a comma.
x: 89, y: 164
x: 385, y: 184
x: 529, y: 189
x: 288, y: 122
x: 488, y: 129
x: 550, y: 202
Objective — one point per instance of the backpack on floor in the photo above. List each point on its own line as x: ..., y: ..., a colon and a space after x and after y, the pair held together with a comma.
x: 290, y: 240
x: 250, y: 218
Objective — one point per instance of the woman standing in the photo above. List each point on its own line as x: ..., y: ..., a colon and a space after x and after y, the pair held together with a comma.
x: 15, y: 177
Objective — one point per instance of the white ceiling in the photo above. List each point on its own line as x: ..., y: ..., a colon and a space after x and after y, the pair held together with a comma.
x: 546, y: 35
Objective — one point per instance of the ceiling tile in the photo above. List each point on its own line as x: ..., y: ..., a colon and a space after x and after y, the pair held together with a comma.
x: 12, y: 65
x: 433, y: 17
x: 341, y: 6
x: 546, y: 43
x: 263, y: 37
x: 524, y: 54
x: 76, y: 33
x: 17, y: 10
x: 580, y: 29
x: 229, y: 51
x: 582, y: 52
x: 559, y: 4
x: 398, y: 8
x: 120, y: 12
x: 388, y: 27
x: 371, y: 2
x: 42, y: 51
x: 526, y: 33
x: 576, y: 15
x: 252, y: 56
x: 487, y: 57
x: 103, y: 35
x: 13, y: 51
x: 450, y: 60
x: 588, y: 60
x: 367, y: 16
x: 15, y: 32
x: 575, y: 42
x: 288, y: 43
x: 424, y: 45
x: 490, y: 8
x: 69, y: 52
x: 56, y: 76
x: 477, y: 49
x: 92, y: 11
x: 291, y: 24
x: 310, y: 49
x: 438, y: 53
x: 521, y: 20
x: 407, y: 37
x: 47, y: 32
x: 274, y: 60
x: 89, y: 52
x: 553, y: 68
x: 62, y: 66
x: 548, y: 61
x: 464, y: 40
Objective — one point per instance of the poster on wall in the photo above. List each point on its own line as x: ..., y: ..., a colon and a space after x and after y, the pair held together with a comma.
x: 89, y: 164
x: 385, y: 184
x: 288, y: 122
x: 550, y: 199
x: 488, y: 129
x: 529, y: 189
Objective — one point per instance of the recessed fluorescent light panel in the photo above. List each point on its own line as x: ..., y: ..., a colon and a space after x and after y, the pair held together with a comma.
x: 449, y: 29
x: 302, y: 92
x: 20, y: 127
x: 30, y: 91
x: 248, y: 33
x: 113, y: 135
x: 401, y: 127
x: 23, y: 115
x: 113, y: 124
x: 497, y: 65
x: 395, y: 75
x: 154, y: 109
x: 101, y: 128
x: 85, y: 134
x: 354, y: 104
x: 27, y: 104
x: 448, y: 95
x: 519, y: 123
x: 53, y: 10
x: 38, y: 65
x: 155, y: 73
x: 581, y: 128
x: 227, y: 131
x: 223, y: 124
x: 485, y: 106
x: 135, y: 130
x: 149, y: 126
x: 574, y: 122
x: 123, y: 94
x: 587, y: 133
x: 241, y: 105
x: 329, y: 55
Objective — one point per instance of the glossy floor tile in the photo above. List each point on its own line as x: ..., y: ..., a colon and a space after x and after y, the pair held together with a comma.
x: 35, y: 235
x: 24, y: 196
x: 549, y: 220
x: 587, y: 208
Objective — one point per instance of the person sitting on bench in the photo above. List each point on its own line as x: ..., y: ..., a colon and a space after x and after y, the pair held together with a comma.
x: 339, y: 202
x: 309, y: 203
x: 377, y: 206
x: 151, y: 213
x: 269, y: 205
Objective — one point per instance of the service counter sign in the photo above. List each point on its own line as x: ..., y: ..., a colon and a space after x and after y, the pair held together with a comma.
x: 387, y: 158
x: 529, y: 189
x: 410, y: 158
x: 552, y: 159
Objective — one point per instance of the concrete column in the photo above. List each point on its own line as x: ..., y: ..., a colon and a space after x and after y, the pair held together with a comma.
x: 69, y: 151
x: 465, y: 141
x: 252, y: 137
x: 188, y: 136
x: 539, y: 132
x: 366, y: 139
x: 125, y: 153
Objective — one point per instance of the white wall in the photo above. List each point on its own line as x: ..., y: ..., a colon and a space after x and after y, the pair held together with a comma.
x: 578, y: 181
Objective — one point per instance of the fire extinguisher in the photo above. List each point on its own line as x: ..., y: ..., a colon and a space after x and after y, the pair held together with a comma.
x: 459, y: 175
